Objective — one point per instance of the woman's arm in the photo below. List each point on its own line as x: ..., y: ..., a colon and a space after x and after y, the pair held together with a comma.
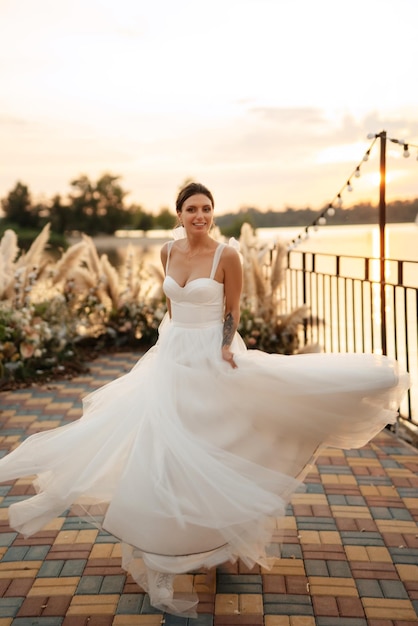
x: 163, y: 256
x: 233, y: 286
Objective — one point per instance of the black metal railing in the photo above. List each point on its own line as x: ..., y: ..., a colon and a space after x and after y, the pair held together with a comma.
x: 343, y: 297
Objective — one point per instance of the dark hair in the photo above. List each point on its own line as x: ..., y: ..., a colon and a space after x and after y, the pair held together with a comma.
x: 191, y: 190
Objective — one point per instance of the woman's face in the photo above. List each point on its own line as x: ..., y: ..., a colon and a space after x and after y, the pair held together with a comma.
x: 197, y: 214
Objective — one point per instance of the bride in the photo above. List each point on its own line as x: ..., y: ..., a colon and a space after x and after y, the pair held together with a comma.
x: 186, y: 458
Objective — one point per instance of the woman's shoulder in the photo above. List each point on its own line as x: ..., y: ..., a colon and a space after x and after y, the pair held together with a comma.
x: 230, y: 258
x: 164, y: 250
x: 229, y: 252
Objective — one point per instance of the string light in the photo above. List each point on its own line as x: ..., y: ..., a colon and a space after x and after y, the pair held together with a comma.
x: 337, y: 200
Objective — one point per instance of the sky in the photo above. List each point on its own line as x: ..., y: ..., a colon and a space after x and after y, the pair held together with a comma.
x: 267, y: 102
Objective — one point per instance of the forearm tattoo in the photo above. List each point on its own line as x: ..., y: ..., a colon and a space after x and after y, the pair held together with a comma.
x: 229, y: 330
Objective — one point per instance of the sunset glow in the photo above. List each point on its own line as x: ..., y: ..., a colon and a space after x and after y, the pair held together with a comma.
x: 265, y: 101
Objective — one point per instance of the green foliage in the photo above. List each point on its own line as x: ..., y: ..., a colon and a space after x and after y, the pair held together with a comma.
x: 35, y: 339
x: 26, y: 236
x: 234, y: 228
x: 364, y: 213
x: 98, y: 207
x: 259, y: 333
x: 50, y: 309
x: 17, y: 207
x: 165, y: 220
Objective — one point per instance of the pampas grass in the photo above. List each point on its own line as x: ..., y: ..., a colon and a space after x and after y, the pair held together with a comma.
x: 82, y: 295
x: 262, y: 326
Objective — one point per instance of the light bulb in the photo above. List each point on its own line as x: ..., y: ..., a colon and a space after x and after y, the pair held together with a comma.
x: 371, y: 136
x: 357, y: 172
x: 315, y: 226
x: 322, y: 220
x: 349, y: 186
x: 339, y: 200
x: 330, y: 210
x: 366, y: 156
x: 406, y: 151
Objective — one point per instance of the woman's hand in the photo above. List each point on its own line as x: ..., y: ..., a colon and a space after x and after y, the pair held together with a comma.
x: 228, y: 356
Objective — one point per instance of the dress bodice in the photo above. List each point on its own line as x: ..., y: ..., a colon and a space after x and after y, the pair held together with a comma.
x: 200, y: 302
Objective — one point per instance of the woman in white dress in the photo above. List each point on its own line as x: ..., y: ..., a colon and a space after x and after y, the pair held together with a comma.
x: 186, y: 458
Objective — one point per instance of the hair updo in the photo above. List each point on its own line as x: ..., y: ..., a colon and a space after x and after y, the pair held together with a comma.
x: 191, y: 190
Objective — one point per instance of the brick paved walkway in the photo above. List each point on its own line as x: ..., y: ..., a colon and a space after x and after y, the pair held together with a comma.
x: 350, y: 556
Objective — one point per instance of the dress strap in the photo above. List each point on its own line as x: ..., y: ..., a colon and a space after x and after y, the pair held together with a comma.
x: 170, y: 245
x: 216, y: 258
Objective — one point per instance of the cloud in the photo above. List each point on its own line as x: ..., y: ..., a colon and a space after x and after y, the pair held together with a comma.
x: 11, y: 121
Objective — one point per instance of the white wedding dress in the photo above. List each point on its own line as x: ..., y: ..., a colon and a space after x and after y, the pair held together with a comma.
x: 184, y: 459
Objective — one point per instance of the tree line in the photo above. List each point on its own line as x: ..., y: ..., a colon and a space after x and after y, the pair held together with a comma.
x: 100, y: 207
x: 92, y: 207
x: 362, y: 213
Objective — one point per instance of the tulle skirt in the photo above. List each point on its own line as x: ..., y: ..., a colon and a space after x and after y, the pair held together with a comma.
x: 186, y: 460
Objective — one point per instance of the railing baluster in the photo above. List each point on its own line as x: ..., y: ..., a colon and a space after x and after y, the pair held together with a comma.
x: 356, y: 325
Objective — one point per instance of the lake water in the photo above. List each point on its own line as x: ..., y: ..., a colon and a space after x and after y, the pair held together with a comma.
x: 401, y: 240
x: 358, y: 240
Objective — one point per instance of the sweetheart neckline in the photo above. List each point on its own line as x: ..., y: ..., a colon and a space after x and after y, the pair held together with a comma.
x: 193, y: 281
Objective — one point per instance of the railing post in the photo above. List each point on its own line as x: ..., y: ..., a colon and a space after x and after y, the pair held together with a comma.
x: 304, y: 295
x: 382, y: 225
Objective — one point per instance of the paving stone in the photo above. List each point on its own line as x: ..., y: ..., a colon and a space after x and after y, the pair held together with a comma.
x: 15, y: 554
x: 18, y: 587
x: 113, y: 584
x: 325, y: 605
x: 402, y: 555
x: 33, y: 606
x: 204, y: 619
x: 36, y: 553
x: 341, y: 621
x: 339, y: 569
x: 316, y: 567
x: 56, y: 606
x: 174, y: 620
x: 73, y: 567
x: 315, y: 523
x: 369, y: 588
x: 381, y: 512
x: 51, y: 568
x: 284, y: 608
x: 361, y: 539
x: 355, y: 516
x: 130, y: 603
x: 10, y: 606
x: 147, y: 608
x: 40, y: 621
x: 6, y: 539
x: 291, y: 551
x: 393, y: 589
x: 89, y: 585
x: 238, y: 620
